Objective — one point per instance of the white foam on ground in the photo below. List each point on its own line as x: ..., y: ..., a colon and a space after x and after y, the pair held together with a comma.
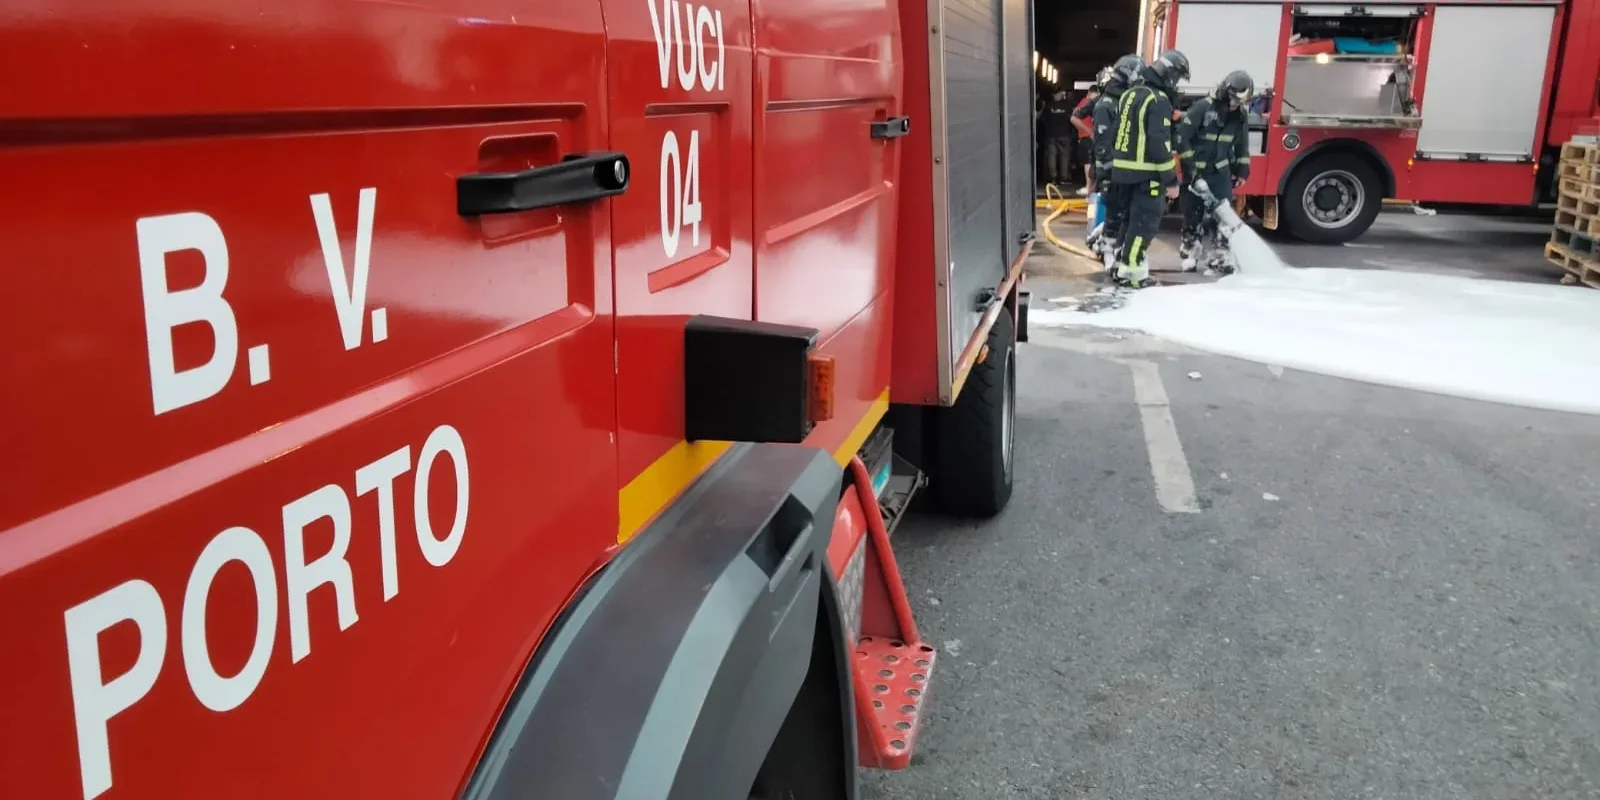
x: 1531, y: 345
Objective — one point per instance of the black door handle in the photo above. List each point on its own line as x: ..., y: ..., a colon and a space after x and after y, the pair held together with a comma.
x: 891, y: 128
x: 578, y: 178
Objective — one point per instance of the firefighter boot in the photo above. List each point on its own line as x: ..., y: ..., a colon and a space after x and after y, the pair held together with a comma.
x: 1187, y: 251
x: 1108, y: 253
x: 1219, y: 261
x: 1131, y: 277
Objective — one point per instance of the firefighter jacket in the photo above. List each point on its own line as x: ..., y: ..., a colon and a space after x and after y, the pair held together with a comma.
x: 1141, y: 150
x: 1105, y: 128
x: 1212, y: 142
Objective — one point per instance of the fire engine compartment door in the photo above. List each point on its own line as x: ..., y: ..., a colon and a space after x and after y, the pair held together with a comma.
x: 243, y: 315
x: 1484, y: 81
x: 1219, y: 38
x: 978, y: 76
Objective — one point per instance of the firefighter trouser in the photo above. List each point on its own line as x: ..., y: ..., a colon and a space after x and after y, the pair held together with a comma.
x: 1057, y: 159
x: 1196, y: 221
x: 1116, y: 197
x: 1146, y: 205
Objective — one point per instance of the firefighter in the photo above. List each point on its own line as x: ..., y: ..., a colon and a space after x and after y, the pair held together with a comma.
x: 1213, y: 147
x: 1142, y: 163
x: 1058, y: 133
x: 1113, y: 203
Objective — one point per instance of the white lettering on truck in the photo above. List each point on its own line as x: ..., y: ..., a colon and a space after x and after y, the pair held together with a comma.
x: 680, y: 192
x: 214, y: 691
x: 166, y: 309
x: 350, y: 296
x: 689, y: 39
x: 97, y: 697
x: 688, y: 35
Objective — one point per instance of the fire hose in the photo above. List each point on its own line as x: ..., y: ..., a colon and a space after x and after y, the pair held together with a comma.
x: 1063, y: 205
x: 1228, y: 220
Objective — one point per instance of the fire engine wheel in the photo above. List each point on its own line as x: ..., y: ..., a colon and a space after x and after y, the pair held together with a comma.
x: 813, y: 755
x: 973, y: 455
x: 1332, y: 198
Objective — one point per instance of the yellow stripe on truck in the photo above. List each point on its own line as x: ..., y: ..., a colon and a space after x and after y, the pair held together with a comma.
x: 659, y: 483
x: 668, y: 476
x: 858, y: 435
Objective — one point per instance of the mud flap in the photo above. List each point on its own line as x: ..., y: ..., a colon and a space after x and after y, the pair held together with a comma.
x: 671, y: 676
x: 1024, y: 299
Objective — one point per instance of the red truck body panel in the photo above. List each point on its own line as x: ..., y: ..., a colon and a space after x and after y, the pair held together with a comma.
x: 264, y: 137
x: 1576, y: 81
x: 387, y: 443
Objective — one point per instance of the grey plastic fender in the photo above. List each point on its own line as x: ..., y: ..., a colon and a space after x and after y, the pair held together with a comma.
x: 670, y: 677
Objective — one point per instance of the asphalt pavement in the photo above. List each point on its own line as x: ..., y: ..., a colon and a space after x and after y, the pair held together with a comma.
x: 1382, y: 593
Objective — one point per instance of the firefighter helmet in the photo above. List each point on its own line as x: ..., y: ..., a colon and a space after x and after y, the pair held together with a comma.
x: 1170, y: 69
x: 1104, y: 77
x: 1237, y: 87
x: 1127, y: 68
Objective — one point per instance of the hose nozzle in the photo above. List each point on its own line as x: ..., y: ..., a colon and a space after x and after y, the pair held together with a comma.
x: 1202, y: 191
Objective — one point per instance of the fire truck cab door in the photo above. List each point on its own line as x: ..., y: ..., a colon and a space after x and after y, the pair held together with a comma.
x: 679, y: 87
x: 302, y: 458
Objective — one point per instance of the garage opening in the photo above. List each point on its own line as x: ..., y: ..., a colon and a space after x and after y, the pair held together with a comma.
x: 1073, y: 41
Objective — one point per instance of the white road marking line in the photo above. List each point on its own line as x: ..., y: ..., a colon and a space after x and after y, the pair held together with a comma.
x: 1174, y: 483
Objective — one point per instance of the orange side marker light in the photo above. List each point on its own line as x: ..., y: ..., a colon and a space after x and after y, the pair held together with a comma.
x: 819, y: 406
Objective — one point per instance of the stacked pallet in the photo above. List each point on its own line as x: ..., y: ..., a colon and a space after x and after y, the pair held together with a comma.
x: 1573, y: 239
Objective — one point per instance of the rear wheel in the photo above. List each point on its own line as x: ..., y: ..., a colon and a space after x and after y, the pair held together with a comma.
x: 1331, y: 198
x: 972, y: 470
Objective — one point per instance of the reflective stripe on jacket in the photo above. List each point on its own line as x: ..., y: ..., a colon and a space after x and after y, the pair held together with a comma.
x: 1211, y: 141
x: 1105, y: 128
x: 1142, y: 147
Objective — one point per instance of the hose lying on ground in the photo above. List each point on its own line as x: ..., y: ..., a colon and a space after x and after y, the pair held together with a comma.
x: 1062, y: 207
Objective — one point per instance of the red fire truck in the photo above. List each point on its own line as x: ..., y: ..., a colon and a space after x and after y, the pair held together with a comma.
x: 1465, y: 101
x: 493, y: 398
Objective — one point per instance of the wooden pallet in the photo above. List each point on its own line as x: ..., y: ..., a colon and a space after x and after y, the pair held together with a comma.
x: 1581, y: 152
x: 1579, y: 190
x: 1577, y: 170
x: 1558, y: 255
x: 1575, y: 243
x: 1576, y: 212
x: 1578, y: 269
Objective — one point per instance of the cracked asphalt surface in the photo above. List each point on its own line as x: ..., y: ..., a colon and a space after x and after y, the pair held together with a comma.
x: 1387, y: 594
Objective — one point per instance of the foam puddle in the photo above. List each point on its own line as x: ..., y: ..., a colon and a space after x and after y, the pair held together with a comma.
x: 1531, y: 345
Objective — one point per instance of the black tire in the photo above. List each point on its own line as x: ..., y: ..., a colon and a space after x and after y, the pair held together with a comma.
x: 1331, y: 199
x: 973, y: 457
x: 813, y: 755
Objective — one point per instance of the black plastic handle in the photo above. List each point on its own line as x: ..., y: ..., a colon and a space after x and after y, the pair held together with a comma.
x: 891, y: 128
x: 578, y: 178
